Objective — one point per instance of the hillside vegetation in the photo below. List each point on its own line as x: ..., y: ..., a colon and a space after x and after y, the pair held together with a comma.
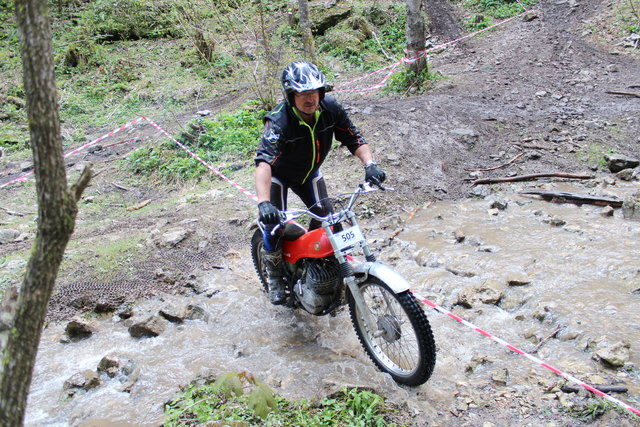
x: 118, y: 60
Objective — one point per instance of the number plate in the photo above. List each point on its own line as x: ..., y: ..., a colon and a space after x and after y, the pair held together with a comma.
x: 348, y: 237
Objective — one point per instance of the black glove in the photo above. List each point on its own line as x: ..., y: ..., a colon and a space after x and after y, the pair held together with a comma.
x: 268, y: 213
x: 373, y: 174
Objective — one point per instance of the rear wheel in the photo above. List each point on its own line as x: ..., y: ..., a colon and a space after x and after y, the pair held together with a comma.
x: 402, y: 343
x: 257, y: 243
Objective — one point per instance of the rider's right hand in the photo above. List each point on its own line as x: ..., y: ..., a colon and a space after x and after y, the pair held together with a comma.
x: 268, y: 213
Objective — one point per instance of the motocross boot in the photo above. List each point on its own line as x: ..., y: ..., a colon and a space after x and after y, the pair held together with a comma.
x: 275, y: 270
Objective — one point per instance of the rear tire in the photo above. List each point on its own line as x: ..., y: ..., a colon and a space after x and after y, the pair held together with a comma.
x: 257, y: 243
x: 403, y: 345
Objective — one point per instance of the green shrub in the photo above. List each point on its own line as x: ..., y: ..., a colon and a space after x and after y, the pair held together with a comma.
x: 231, y: 134
x: 128, y: 19
x: 225, y: 137
x: 225, y: 400
x: 406, y: 80
x: 354, y: 41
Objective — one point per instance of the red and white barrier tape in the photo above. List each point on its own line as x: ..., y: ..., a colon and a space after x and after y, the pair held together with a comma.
x: 530, y: 357
x: 207, y: 165
x: 418, y: 55
x: 24, y: 176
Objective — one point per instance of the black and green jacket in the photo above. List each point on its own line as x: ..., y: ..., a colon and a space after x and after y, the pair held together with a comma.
x: 296, y: 150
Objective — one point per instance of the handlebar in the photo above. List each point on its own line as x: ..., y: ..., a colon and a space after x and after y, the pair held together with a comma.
x: 332, y: 218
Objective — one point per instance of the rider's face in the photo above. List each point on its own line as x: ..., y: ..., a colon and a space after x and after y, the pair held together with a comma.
x: 307, y: 102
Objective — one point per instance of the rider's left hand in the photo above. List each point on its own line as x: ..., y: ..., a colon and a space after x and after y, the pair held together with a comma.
x: 373, y: 174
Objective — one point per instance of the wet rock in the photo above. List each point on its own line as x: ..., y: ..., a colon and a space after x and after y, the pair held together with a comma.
x: 618, y: 162
x: 568, y: 336
x: 391, y: 222
x: 425, y: 258
x: 514, y: 300
x: 488, y: 249
x: 498, y: 203
x: 474, y: 241
x: 473, y: 295
x: 77, y: 330
x: 8, y: 236
x: 467, y: 298
x: 172, y: 313
x: 195, y: 312
x: 626, y: 175
x: 150, y: 327
x: 131, y: 381
x: 125, y: 311
x: 113, y: 366
x: 615, y: 355
x: 631, y: 207
x: 573, y: 229
x: 480, y: 191
x: 490, y: 293
x: 541, y: 313
x: 607, y: 211
x: 554, y: 221
x: 501, y: 376
x: 517, y: 279
x: 85, y: 380
x: 476, y: 361
x: 460, y: 270
x: 531, y: 335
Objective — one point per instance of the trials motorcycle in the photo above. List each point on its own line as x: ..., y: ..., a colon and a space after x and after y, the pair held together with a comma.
x: 322, y: 275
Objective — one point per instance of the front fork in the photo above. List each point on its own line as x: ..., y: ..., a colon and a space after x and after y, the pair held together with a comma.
x: 346, y: 270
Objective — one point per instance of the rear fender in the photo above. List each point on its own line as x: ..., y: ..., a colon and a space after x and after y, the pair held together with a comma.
x: 386, y: 274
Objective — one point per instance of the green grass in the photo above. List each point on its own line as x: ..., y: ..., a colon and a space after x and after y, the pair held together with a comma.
x: 240, y: 399
x: 593, y: 154
x: 628, y: 15
x: 12, y: 269
x: 485, y: 13
x: 228, y: 137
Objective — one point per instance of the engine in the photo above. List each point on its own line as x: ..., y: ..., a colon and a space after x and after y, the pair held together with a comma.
x: 319, y: 284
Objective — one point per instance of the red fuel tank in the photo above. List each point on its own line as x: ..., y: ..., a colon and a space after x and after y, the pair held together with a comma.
x: 312, y: 244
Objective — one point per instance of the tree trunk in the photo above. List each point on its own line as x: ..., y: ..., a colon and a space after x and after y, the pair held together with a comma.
x: 416, y: 36
x: 291, y: 16
x: 57, y: 209
x: 305, y: 29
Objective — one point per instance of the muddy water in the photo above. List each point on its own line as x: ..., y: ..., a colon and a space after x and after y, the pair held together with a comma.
x: 580, y: 276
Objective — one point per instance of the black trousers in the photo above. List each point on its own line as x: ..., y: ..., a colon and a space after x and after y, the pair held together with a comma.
x: 313, y: 193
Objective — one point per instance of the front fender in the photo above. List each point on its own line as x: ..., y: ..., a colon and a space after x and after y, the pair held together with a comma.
x: 386, y: 274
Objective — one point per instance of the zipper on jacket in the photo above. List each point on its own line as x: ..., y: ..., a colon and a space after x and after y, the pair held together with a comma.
x: 315, y: 144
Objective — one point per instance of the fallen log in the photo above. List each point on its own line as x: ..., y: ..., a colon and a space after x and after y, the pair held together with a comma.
x: 564, y: 197
x: 619, y: 92
x: 496, y: 167
x: 531, y: 177
x: 547, y: 338
x: 602, y: 388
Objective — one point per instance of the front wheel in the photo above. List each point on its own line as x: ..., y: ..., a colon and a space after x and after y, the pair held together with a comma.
x: 402, y: 344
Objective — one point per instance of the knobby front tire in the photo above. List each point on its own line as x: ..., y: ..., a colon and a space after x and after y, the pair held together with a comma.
x: 257, y: 243
x: 403, y: 343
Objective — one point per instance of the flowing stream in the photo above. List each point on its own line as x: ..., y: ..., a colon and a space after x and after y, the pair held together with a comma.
x: 576, y: 270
